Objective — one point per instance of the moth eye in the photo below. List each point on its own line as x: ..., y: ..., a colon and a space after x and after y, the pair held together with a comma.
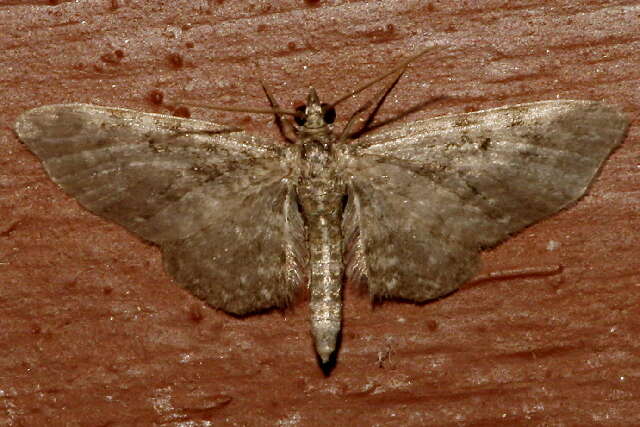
x: 301, y: 116
x: 329, y: 113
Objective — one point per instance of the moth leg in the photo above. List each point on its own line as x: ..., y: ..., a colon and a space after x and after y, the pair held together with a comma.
x: 382, y: 96
x: 385, y: 92
x: 280, y: 122
x: 344, y: 135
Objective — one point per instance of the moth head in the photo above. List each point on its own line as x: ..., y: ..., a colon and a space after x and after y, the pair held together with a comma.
x: 314, y: 114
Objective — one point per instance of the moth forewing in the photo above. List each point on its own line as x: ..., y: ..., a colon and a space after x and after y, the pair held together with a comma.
x: 435, y: 192
x: 211, y: 200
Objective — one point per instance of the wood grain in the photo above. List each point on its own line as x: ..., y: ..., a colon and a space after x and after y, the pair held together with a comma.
x: 93, y: 332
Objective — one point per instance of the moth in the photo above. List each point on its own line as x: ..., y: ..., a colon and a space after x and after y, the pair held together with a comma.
x: 246, y: 224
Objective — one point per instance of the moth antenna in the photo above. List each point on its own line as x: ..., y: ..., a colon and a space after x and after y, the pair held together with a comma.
x: 396, y: 69
x: 239, y: 109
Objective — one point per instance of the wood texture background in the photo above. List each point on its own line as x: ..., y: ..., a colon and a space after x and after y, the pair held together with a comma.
x: 93, y: 332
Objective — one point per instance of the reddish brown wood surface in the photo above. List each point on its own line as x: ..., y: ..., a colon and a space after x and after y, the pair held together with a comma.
x: 93, y: 332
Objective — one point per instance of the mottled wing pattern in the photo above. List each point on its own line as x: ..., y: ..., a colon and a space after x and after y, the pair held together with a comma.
x: 426, y: 197
x: 212, y: 197
x: 251, y: 256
